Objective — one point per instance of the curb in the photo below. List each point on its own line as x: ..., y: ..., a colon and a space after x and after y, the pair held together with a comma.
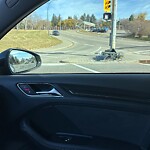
x: 98, y: 34
x: 144, y: 61
x: 70, y: 45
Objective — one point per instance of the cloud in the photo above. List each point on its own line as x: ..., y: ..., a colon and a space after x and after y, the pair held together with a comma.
x: 77, y: 7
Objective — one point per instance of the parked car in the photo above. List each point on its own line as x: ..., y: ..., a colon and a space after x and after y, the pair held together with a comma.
x: 93, y: 30
x: 56, y: 33
x: 101, y: 30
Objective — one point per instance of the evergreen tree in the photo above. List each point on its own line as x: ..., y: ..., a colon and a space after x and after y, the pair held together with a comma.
x: 69, y: 17
x: 54, y: 20
x: 75, y: 17
x: 131, y: 18
x: 83, y: 17
x: 88, y: 18
x: 93, y: 19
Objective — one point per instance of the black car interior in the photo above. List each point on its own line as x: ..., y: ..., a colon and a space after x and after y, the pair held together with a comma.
x: 70, y: 111
x: 103, y: 111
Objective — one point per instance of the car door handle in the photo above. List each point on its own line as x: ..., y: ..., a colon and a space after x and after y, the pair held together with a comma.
x: 53, y: 92
x: 39, y: 89
x: 46, y: 144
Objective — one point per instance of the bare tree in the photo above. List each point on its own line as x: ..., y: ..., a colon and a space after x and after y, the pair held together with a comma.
x: 139, y: 26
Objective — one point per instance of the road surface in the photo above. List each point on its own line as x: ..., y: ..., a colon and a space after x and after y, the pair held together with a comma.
x: 78, y: 51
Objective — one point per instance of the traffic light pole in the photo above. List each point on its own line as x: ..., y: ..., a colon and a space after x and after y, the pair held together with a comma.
x: 114, y: 25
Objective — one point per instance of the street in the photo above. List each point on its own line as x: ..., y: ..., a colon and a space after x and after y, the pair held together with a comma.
x: 76, y: 53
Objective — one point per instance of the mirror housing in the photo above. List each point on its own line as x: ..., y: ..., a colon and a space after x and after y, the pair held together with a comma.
x: 15, y: 61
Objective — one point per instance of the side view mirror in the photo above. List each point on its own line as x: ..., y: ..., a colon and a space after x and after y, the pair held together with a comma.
x: 15, y: 61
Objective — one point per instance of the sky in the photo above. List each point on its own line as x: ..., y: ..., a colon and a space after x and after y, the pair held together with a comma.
x: 77, y: 7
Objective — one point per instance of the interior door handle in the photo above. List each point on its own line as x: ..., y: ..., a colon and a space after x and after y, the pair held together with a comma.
x: 53, y: 92
x: 46, y: 144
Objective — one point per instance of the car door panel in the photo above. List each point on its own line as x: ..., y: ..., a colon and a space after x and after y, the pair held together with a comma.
x: 93, y: 111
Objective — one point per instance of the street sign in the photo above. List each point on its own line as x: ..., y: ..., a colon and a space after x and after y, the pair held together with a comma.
x: 107, y: 5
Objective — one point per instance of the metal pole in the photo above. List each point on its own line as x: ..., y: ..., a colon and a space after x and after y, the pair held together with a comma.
x: 60, y: 24
x: 114, y: 25
x: 48, y: 17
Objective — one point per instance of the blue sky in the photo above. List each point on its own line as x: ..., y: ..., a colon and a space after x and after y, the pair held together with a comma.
x: 77, y: 7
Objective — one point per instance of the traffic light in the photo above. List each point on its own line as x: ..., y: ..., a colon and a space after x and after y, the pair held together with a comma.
x: 107, y: 16
x: 107, y: 5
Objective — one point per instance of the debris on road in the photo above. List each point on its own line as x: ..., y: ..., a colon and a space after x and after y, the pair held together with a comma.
x: 108, y: 55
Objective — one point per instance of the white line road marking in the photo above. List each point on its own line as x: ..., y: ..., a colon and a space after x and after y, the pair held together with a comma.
x: 74, y: 41
x: 87, y: 69
x: 145, y: 64
x: 53, y: 64
x: 99, y: 48
x: 97, y: 51
x: 143, y: 52
x: 88, y: 45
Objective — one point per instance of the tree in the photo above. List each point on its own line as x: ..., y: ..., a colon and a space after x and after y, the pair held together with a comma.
x: 88, y: 18
x: 142, y: 16
x: 106, y: 24
x: 70, y: 23
x: 59, y: 21
x: 41, y: 25
x: 138, y: 27
x: 83, y: 17
x: 69, y: 17
x: 59, y: 18
x: 93, y: 19
x: 30, y: 22
x: 54, y: 20
x: 144, y: 29
x: 131, y: 18
x: 75, y: 17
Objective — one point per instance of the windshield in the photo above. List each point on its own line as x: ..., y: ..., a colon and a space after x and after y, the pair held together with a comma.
x: 86, y: 36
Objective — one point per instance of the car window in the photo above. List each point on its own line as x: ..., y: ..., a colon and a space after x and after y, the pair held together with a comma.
x: 79, y: 36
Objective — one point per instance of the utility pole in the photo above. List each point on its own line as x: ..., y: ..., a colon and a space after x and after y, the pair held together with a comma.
x: 48, y: 5
x: 60, y: 24
x: 114, y: 25
x: 48, y: 16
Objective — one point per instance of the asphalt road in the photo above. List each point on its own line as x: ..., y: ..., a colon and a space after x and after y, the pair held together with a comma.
x: 76, y: 54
